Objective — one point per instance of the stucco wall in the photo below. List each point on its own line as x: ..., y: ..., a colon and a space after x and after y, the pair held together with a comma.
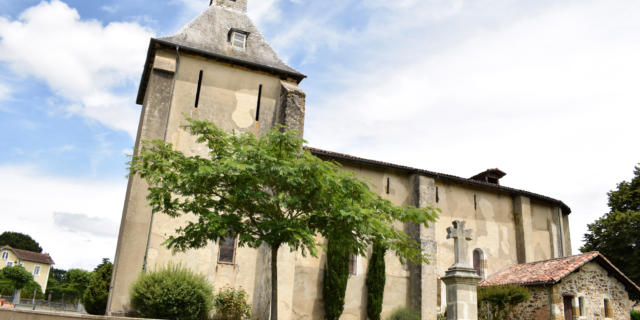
x: 228, y: 98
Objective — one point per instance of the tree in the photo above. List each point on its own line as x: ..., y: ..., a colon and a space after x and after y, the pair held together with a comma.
x: 376, y: 277
x: 68, y: 285
x: 267, y: 190
x: 615, y: 235
x: 96, y: 295
x: 18, y: 277
x: 336, y: 275
x: 19, y: 241
x: 78, y: 280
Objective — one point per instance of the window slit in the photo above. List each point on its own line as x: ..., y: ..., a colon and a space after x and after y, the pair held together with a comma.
x: 437, y: 195
x: 388, y: 185
x: 258, y: 106
x: 198, y: 89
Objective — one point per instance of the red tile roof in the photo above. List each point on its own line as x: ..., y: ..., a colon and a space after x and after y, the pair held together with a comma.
x: 30, y: 255
x: 436, y: 175
x: 549, y: 272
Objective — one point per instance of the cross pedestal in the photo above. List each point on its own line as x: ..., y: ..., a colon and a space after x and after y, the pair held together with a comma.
x: 461, y: 279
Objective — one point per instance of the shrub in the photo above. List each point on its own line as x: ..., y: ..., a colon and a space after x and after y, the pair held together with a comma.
x: 231, y: 304
x: 404, y: 314
x: 336, y: 275
x: 375, y: 282
x: 173, y: 293
x: 635, y: 315
x: 497, y: 302
x: 97, y: 292
x: 17, y: 276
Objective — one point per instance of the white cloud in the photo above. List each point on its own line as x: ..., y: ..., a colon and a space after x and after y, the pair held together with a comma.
x: 82, y: 61
x: 35, y: 203
x: 550, y: 97
x: 86, y: 225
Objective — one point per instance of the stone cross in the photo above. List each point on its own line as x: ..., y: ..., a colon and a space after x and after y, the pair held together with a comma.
x: 460, y: 237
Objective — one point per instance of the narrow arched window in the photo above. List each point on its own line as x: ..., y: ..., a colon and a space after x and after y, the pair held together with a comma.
x: 478, y: 258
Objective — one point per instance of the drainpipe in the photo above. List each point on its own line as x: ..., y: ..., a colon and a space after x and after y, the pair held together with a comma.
x: 166, y: 131
x: 550, y: 293
x: 560, y: 227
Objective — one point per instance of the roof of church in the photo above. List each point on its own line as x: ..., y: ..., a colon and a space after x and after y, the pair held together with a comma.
x: 208, y: 35
x: 30, y: 255
x: 437, y: 175
x: 550, y: 272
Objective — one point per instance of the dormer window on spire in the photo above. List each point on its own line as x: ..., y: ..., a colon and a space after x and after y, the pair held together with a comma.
x: 238, y: 38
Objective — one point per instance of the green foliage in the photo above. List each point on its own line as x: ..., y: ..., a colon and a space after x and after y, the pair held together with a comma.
x: 404, y: 314
x: 57, y: 274
x: 19, y: 241
x: 616, y: 235
x: 268, y: 190
x: 78, y: 280
x: 635, y: 315
x: 497, y: 302
x: 231, y: 304
x: 336, y: 275
x: 97, y: 292
x: 173, y: 293
x: 29, y: 289
x: 627, y: 196
x: 376, y: 276
x: 17, y: 276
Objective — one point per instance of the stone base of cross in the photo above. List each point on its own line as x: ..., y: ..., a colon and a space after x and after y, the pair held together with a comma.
x: 461, y: 279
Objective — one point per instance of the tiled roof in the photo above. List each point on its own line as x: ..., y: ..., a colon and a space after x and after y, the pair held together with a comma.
x: 549, y: 272
x: 30, y: 255
x: 443, y: 176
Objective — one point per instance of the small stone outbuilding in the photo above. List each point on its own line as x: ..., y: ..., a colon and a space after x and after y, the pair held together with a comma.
x: 586, y: 286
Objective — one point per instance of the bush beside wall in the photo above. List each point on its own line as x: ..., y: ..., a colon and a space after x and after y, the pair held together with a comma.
x: 172, y: 293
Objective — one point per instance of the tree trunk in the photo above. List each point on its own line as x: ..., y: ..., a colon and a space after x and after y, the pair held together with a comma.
x: 274, y: 282
x: 16, y: 297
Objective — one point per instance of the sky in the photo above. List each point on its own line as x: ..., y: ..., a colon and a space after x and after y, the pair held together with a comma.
x: 545, y: 90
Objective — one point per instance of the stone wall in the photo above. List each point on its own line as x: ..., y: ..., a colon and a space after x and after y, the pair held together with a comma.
x: 13, y: 314
x: 537, y: 307
x: 595, y: 284
x: 592, y: 283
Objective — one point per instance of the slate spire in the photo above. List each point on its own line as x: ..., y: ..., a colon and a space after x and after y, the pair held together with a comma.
x: 211, y: 32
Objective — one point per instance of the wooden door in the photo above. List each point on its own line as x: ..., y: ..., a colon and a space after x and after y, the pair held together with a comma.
x: 568, y: 308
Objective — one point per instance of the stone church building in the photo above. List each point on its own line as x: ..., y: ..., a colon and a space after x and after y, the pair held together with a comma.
x: 219, y: 67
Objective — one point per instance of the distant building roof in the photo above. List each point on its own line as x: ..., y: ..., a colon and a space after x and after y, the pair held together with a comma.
x: 30, y: 255
x: 443, y: 176
x: 208, y: 35
x: 550, y: 272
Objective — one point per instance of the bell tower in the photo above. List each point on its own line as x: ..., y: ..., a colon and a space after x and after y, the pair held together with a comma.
x: 220, y: 68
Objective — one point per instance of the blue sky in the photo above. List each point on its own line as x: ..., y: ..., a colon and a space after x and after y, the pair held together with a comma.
x: 545, y: 90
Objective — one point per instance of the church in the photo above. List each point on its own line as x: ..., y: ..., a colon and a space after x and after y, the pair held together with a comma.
x: 219, y: 67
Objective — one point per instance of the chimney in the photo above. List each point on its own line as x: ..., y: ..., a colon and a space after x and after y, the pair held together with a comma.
x: 492, y: 176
